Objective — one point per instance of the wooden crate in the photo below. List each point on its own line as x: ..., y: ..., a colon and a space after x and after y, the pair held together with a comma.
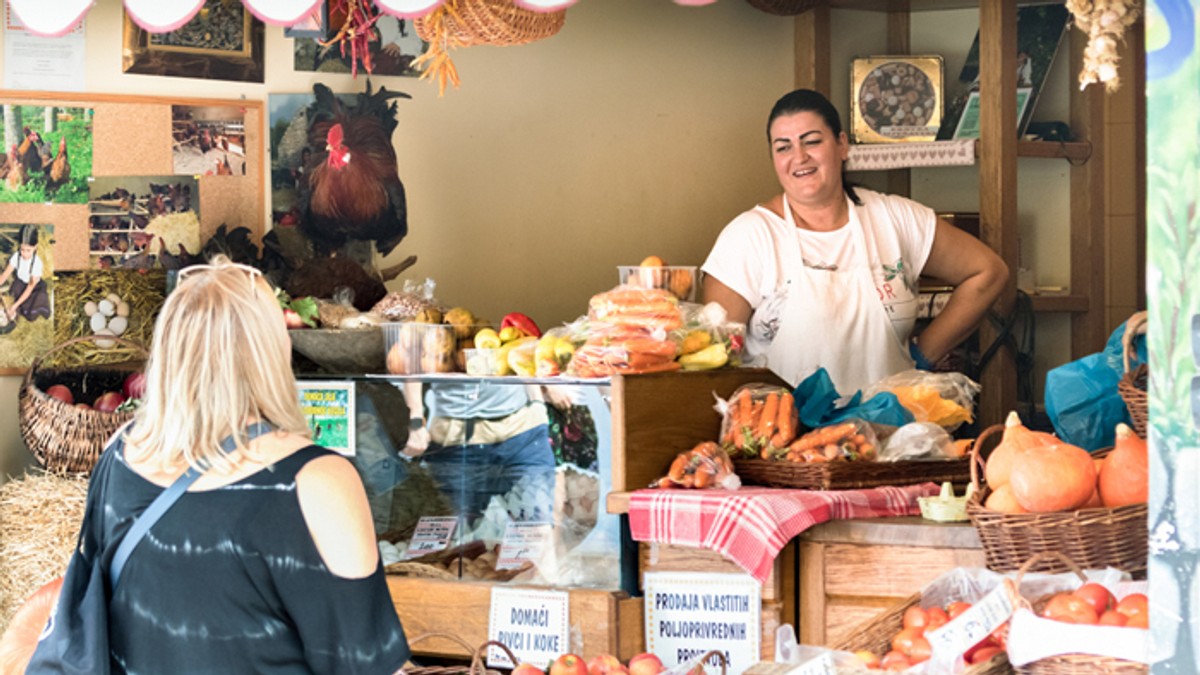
x: 608, y: 622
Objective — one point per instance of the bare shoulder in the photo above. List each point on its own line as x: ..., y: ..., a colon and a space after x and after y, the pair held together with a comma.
x: 338, y: 517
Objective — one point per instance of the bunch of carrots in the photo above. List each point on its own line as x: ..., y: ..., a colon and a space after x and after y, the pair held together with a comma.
x: 760, y: 426
x: 705, y: 465
x: 842, y: 441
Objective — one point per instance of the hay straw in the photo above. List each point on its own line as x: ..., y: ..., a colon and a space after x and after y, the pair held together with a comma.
x: 142, y: 290
x: 40, y: 515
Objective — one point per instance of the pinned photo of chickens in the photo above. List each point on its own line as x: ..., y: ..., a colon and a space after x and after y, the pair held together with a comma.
x: 47, y: 154
x: 208, y: 140
x: 142, y: 222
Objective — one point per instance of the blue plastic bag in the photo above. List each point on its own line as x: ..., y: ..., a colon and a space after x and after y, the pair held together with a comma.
x: 1082, y: 399
x: 816, y: 399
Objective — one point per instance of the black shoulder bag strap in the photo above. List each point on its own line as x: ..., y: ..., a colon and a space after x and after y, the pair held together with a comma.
x: 164, y: 501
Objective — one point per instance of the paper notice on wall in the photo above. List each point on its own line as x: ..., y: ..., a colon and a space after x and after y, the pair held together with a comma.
x: 533, y: 624
x: 39, y: 63
x: 689, y: 614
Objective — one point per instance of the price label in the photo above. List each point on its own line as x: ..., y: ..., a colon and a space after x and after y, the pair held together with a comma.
x: 523, y: 543
x: 972, y: 626
x: 432, y: 535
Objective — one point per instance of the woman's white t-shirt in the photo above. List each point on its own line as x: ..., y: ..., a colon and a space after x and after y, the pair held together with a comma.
x: 748, y: 258
x: 26, y: 269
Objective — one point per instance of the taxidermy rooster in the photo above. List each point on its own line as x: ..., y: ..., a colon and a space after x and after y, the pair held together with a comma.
x: 353, y: 191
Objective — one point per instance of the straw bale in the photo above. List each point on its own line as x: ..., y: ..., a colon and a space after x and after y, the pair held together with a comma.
x: 40, y: 514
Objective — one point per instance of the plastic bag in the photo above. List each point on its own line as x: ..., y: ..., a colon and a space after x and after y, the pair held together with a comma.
x: 850, y: 441
x: 946, y: 399
x: 704, y: 466
x: 1082, y: 399
x: 631, y: 352
x: 817, y: 400
x: 708, y: 339
x: 405, y: 304
x: 627, y: 307
x: 918, y: 440
x: 759, y: 420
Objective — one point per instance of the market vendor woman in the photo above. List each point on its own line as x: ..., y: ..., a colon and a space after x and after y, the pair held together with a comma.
x: 28, y: 291
x: 825, y: 274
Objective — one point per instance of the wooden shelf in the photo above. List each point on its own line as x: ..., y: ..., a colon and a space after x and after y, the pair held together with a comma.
x: 1078, y: 151
x: 1074, y: 304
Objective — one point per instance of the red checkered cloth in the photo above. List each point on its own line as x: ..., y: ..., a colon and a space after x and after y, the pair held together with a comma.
x: 750, y: 526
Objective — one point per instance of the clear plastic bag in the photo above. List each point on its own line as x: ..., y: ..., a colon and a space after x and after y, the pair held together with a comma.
x: 945, y: 399
x: 918, y: 440
x: 759, y: 420
x: 704, y: 466
x: 625, y: 307
x: 406, y: 304
x: 847, y: 441
x: 708, y: 339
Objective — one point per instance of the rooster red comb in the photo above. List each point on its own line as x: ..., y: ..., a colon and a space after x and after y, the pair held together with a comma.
x: 334, y: 137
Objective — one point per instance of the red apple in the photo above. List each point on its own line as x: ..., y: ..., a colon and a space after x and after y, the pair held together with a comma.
x: 527, y: 669
x: 135, y: 385
x: 109, y: 401
x: 569, y: 664
x: 62, y: 393
x: 603, y: 664
x: 292, y: 319
x: 644, y: 664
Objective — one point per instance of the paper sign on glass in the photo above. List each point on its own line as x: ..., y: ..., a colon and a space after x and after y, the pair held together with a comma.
x: 432, y: 535
x: 523, y: 544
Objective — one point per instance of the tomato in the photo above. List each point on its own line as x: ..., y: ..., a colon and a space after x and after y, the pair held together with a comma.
x: 1138, y: 621
x: 982, y: 644
x: 915, y: 617
x: 903, y: 642
x: 895, y: 661
x: 1134, y: 604
x: 1000, y: 636
x: 956, y: 608
x: 1113, y: 618
x: 1097, y: 596
x: 937, y: 618
x: 984, y: 655
x: 1069, y: 608
x: 920, y: 650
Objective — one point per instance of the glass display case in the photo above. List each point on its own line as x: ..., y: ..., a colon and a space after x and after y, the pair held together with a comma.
x: 477, y: 478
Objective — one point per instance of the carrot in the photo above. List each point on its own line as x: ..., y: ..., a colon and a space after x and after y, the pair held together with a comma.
x: 819, y: 438
x: 785, y: 424
x: 770, y: 411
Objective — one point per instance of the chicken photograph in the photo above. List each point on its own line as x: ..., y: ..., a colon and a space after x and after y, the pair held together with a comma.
x: 353, y: 191
x: 47, y: 154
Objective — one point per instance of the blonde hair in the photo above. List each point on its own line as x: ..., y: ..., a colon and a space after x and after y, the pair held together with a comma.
x: 220, y: 359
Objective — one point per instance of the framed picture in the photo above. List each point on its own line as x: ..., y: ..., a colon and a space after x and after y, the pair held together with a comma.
x: 313, y: 26
x: 895, y: 99
x: 222, y: 42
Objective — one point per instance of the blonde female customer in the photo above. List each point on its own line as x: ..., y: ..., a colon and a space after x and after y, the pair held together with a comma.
x: 268, y: 563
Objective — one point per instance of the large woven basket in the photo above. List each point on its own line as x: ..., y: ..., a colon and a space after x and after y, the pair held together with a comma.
x: 1074, y: 664
x: 849, y: 475
x: 876, y: 636
x: 62, y: 437
x: 462, y: 23
x: 785, y: 7
x: 1094, y: 538
x: 1132, y: 385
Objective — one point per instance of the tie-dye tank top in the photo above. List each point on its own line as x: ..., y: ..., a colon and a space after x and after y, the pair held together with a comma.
x: 229, y: 581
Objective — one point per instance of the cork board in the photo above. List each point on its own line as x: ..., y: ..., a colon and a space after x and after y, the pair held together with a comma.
x: 132, y: 137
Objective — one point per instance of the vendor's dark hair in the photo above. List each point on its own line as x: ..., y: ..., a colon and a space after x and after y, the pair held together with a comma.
x: 807, y: 100
x: 28, y: 235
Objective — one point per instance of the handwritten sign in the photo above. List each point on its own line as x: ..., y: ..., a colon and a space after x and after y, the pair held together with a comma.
x: 522, y: 544
x: 329, y: 409
x: 432, y: 535
x: 533, y: 624
x: 973, y: 625
x: 689, y: 614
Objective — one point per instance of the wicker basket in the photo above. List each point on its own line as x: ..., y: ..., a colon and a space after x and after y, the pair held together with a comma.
x: 1094, y: 538
x: 849, y: 475
x: 785, y: 7
x: 876, y: 636
x: 1132, y: 385
x: 1074, y: 664
x: 437, y: 565
x: 62, y: 437
x: 478, y: 657
x: 462, y: 23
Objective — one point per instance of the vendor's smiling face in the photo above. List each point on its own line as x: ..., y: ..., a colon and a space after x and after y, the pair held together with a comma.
x: 808, y: 158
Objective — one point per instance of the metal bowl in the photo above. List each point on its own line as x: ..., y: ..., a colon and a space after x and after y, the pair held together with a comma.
x: 339, y: 350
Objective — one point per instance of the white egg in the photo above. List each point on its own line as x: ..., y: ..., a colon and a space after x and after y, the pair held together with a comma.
x: 98, y: 322
x: 118, y: 324
x: 104, y: 344
x: 106, y: 307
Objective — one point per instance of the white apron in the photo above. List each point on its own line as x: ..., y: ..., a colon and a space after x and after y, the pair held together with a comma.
x: 834, y: 319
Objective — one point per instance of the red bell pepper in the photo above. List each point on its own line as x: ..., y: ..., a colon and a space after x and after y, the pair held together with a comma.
x: 521, y: 323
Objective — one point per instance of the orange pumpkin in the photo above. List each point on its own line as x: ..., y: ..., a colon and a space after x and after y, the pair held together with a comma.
x: 21, y: 637
x: 1002, y: 500
x: 1016, y: 438
x: 1055, y: 478
x: 1125, y: 478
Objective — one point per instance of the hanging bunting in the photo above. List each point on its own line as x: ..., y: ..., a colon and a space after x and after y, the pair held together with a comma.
x: 281, y: 12
x: 50, y: 19
x: 548, y: 5
x: 162, y: 16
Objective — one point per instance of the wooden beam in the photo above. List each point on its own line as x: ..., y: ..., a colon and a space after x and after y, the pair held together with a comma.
x: 1088, y: 222
x: 899, y: 31
x: 812, y: 50
x: 998, y: 185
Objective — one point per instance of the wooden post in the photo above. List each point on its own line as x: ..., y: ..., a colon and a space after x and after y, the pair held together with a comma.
x: 812, y: 49
x: 998, y: 186
x: 899, y: 181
